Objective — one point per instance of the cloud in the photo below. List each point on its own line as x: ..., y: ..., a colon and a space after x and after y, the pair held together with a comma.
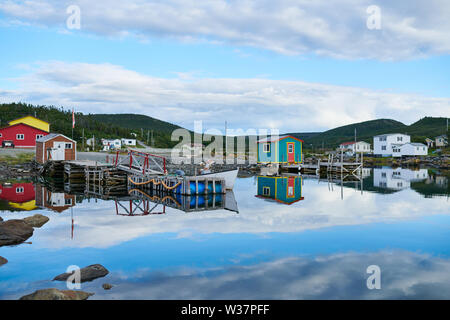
x: 245, y: 103
x: 291, y: 27
x: 404, y: 275
x: 98, y: 226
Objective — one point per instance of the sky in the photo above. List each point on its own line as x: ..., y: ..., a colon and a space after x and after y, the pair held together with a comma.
x: 291, y: 65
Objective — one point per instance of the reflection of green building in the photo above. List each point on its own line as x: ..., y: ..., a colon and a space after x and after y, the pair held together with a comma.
x: 284, y: 189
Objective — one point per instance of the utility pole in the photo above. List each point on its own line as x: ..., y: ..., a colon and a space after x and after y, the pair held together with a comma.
x: 83, y: 139
x: 226, y: 142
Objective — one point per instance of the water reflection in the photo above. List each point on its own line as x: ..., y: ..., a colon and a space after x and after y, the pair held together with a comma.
x: 283, y: 189
x: 318, y: 246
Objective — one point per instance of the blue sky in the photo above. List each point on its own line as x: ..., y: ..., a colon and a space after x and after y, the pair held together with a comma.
x: 234, y: 70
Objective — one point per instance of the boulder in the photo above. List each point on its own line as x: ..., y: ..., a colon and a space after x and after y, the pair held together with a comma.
x: 107, y: 286
x: 36, y: 221
x: 55, y: 294
x: 14, y: 232
x: 88, y: 273
x: 3, y: 261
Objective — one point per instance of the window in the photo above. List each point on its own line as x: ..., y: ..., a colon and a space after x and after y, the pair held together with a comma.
x: 20, y: 136
x: 266, y: 147
x: 20, y: 190
x: 383, y: 147
x: 38, y: 136
x: 382, y: 138
x: 399, y: 138
x: 1, y: 135
x: 266, y: 191
x: 68, y: 146
x: 68, y: 201
x: 290, y: 148
x: 383, y: 174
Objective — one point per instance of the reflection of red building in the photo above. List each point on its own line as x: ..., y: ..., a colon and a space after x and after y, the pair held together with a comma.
x: 19, y: 195
x: 56, y: 201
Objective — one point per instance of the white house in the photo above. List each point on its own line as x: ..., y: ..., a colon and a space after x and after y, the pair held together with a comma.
x: 388, y: 144
x: 398, y: 178
x: 441, y: 141
x: 111, y: 144
x: 129, y: 142
x: 411, y: 149
x: 352, y: 147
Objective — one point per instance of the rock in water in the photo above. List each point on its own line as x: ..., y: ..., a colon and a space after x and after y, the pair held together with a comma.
x: 36, y: 221
x: 14, y: 232
x: 55, y: 294
x: 88, y: 273
x: 3, y: 261
x: 107, y: 286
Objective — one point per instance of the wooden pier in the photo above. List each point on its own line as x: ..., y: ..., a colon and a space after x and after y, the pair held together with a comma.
x: 135, y: 170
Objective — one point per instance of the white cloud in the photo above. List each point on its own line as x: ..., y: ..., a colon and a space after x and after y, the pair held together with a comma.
x: 338, y: 29
x: 245, y: 103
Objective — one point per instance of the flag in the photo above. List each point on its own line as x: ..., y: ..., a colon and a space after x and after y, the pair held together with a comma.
x: 73, y: 118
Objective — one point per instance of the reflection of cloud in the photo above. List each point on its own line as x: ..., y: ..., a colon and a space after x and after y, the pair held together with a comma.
x: 309, y: 106
x: 336, y: 29
x: 404, y: 275
x: 97, y: 225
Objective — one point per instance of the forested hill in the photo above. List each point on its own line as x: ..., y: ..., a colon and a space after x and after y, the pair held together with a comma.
x: 365, y: 131
x: 60, y: 120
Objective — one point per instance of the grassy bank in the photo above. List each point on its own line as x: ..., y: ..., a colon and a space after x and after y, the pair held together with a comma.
x: 18, y: 158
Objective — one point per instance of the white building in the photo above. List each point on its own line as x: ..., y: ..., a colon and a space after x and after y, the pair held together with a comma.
x: 388, y: 144
x: 351, y: 147
x: 398, y: 178
x: 128, y: 142
x: 441, y: 141
x: 411, y: 149
x: 111, y: 144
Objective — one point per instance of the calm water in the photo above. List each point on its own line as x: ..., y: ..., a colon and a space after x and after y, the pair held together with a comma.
x: 292, y: 238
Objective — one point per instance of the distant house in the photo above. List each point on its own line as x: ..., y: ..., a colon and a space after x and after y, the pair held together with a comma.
x: 429, y: 142
x: 111, y: 144
x: 352, y: 147
x: 441, y: 141
x: 128, y: 142
x: 32, y: 122
x: 22, y: 135
x: 19, y: 195
x: 55, y: 147
x: 411, y: 149
x: 280, y: 149
x: 286, y: 190
x: 388, y: 144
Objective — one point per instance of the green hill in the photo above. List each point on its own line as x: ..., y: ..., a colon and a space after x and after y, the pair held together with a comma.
x: 365, y: 131
x: 100, y: 126
x: 135, y: 122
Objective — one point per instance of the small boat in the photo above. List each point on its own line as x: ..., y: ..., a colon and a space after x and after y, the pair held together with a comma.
x: 229, y: 176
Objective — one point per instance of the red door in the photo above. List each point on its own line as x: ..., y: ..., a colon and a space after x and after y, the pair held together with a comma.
x: 291, y: 187
x: 291, y: 152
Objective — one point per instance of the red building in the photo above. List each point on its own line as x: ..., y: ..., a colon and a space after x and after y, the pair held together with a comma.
x: 22, y: 135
